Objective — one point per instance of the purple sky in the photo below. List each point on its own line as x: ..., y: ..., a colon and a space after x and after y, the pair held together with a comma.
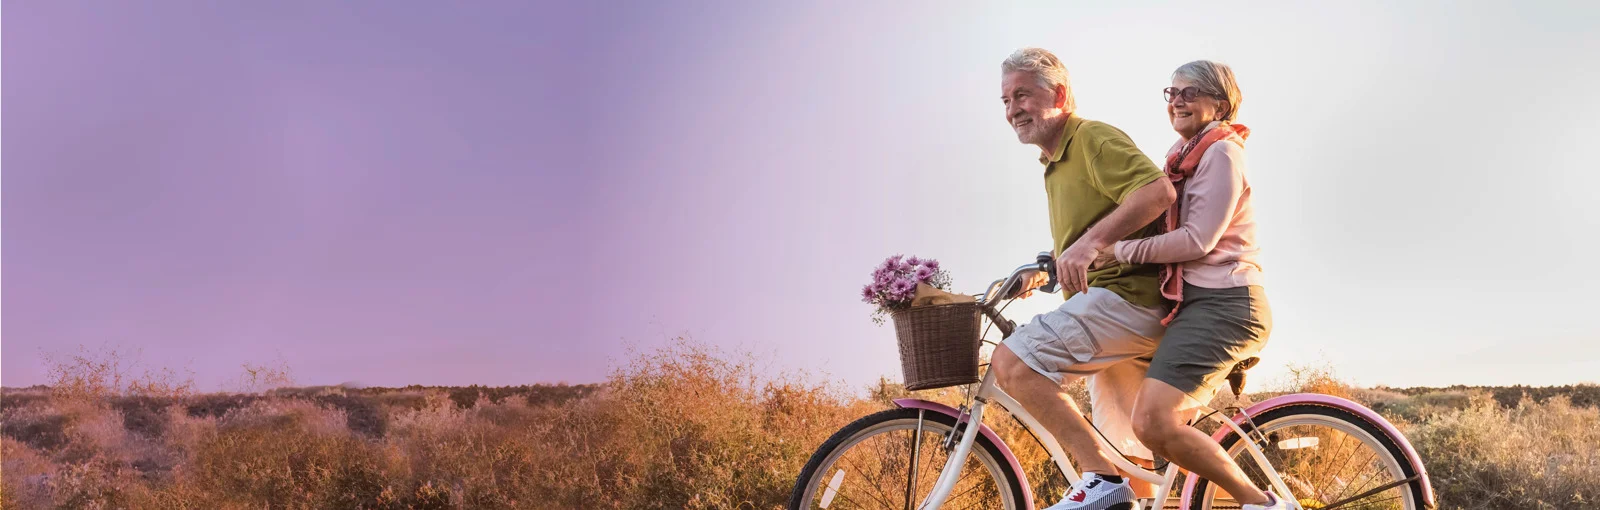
x: 390, y: 195
x: 503, y: 193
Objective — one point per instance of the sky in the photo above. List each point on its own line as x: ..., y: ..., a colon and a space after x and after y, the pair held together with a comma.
x: 395, y: 193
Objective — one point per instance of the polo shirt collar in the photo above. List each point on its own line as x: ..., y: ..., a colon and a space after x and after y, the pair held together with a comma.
x: 1054, y: 156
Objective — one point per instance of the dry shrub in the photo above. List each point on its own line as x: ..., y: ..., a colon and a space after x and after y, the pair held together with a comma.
x: 482, y: 457
x: 1401, y: 408
x: 685, y: 427
x: 23, y: 471
x: 185, y: 433
x: 98, y: 435
x: 87, y: 375
x: 42, y: 426
x: 407, y: 399
x: 96, y: 470
x: 94, y: 375
x: 1536, y: 455
x: 263, y: 377
x: 301, y: 416
x: 163, y: 384
x: 287, y: 454
x: 1315, y: 379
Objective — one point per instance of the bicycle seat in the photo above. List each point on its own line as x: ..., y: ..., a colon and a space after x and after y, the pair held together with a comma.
x: 1236, y: 376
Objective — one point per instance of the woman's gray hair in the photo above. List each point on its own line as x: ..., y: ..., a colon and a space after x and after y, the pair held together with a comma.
x: 1214, y: 79
x: 1044, y: 65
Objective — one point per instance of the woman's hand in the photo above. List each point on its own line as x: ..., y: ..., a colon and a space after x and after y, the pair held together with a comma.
x: 1105, y: 258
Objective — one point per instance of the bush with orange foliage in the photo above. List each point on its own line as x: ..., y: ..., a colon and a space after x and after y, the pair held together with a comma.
x: 685, y: 426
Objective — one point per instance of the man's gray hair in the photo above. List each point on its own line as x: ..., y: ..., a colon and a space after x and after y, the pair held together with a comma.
x: 1044, y: 65
x: 1214, y: 79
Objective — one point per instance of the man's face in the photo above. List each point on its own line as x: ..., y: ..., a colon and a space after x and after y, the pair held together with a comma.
x: 1031, y: 109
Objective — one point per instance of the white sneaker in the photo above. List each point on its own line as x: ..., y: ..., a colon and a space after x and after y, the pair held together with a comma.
x: 1096, y: 493
x: 1273, y: 503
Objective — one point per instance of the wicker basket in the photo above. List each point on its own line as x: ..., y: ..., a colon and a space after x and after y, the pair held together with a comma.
x: 938, y: 345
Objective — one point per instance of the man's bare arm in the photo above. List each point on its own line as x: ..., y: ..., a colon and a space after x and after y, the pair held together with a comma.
x: 1141, y: 207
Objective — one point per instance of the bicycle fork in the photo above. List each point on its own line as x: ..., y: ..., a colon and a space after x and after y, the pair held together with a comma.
x: 968, y: 423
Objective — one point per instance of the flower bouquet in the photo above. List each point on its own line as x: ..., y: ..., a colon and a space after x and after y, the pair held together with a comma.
x: 900, y: 283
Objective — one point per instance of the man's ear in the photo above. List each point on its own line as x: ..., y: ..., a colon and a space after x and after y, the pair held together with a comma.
x: 1061, y: 96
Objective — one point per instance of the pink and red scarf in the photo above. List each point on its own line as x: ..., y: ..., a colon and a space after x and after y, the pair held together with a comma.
x: 1181, y: 165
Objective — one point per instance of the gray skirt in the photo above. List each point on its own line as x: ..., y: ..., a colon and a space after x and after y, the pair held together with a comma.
x: 1214, y: 330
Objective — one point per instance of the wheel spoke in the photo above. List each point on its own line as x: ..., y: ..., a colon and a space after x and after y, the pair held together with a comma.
x: 1341, y: 477
x: 870, y: 482
x: 1358, y: 462
x: 1364, y: 482
x: 968, y: 490
x: 1328, y: 474
x: 1341, y: 503
x: 840, y: 495
x: 875, y: 458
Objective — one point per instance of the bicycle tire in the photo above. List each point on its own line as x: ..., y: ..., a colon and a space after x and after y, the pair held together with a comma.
x: 1268, y: 418
x: 805, y: 485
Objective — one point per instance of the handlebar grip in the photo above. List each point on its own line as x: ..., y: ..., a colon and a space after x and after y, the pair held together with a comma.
x: 1049, y: 266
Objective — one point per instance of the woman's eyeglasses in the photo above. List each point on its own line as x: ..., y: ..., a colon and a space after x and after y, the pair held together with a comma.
x: 1187, y: 93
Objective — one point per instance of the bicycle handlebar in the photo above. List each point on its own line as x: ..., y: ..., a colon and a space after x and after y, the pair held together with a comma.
x: 1010, y: 286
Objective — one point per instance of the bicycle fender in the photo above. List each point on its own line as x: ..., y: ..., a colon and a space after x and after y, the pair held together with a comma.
x: 1005, y: 451
x: 1337, y: 403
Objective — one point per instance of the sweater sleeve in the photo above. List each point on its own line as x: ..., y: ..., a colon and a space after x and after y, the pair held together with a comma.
x: 1210, y: 199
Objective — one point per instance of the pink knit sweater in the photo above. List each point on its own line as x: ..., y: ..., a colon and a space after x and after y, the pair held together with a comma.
x: 1217, y: 241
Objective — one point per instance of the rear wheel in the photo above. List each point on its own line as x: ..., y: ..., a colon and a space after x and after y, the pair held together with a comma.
x: 888, y: 458
x: 1326, y: 456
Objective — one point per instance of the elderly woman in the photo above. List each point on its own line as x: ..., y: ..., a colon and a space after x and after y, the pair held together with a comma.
x: 1209, y: 249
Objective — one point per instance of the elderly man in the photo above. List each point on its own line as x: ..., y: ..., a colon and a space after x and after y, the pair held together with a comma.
x: 1101, y: 189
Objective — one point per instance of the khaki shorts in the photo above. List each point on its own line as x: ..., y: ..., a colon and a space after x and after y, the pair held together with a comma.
x: 1105, y: 338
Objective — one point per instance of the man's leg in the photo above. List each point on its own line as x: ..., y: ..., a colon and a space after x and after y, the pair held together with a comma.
x: 1158, y: 420
x: 1087, y: 334
x: 1112, y: 395
x: 1049, y: 403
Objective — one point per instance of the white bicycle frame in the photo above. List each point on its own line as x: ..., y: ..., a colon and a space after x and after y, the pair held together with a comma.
x: 989, y: 392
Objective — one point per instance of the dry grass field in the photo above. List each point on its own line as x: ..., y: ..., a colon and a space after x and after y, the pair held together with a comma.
x: 682, y: 427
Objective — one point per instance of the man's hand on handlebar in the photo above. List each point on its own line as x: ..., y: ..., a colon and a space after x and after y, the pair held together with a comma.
x: 1072, y: 266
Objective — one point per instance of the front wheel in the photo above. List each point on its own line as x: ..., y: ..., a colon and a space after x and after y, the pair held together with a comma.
x: 893, y: 457
x: 1327, y: 457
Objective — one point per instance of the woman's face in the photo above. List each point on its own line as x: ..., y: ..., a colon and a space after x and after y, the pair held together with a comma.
x: 1189, y: 116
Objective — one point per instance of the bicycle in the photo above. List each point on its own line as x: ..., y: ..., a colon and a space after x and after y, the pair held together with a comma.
x: 1299, y: 445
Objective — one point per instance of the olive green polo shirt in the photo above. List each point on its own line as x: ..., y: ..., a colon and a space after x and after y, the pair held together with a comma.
x: 1093, y: 169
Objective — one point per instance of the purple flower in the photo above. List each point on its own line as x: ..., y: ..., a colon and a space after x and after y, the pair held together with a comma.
x: 898, y: 297
x: 892, y: 262
x: 881, y: 274
x: 903, y: 286
x: 894, y: 282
